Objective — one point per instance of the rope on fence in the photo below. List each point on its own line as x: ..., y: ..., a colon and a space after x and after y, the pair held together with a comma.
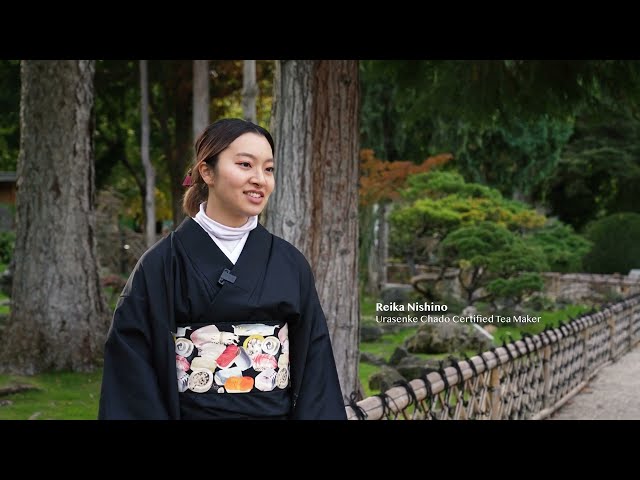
x: 359, y: 411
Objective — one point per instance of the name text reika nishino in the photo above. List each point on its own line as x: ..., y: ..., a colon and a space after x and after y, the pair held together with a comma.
x: 393, y: 307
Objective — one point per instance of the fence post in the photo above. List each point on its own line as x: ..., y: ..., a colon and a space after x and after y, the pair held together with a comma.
x: 547, y: 375
x: 637, y: 313
x: 494, y: 382
x: 584, y: 337
x: 612, y: 337
x: 630, y: 329
x: 632, y: 316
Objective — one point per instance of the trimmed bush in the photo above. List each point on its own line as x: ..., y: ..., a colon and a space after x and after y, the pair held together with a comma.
x: 616, y: 244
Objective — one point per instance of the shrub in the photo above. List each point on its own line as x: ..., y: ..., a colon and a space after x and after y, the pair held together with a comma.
x: 616, y: 245
x: 563, y: 248
x: 7, y: 243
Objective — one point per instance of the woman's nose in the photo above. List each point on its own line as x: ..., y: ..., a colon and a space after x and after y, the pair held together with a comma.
x: 258, y: 178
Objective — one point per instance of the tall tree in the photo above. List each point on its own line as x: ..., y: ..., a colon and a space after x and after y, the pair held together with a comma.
x: 149, y: 172
x: 171, y: 106
x: 249, y: 91
x: 315, y: 203
x: 118, y: 161
x: 58, y: 317
x: 200, y: 96
x: 117, y: 110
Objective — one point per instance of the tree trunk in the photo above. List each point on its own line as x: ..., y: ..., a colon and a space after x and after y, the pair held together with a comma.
x: 58, y: 316
x: 149, y: 172
x: 200, y: 96
x: 249, y: 91
x: 173, y: 110
x: 383, y: 241
x: 378, y: 249
x: 315, y: 203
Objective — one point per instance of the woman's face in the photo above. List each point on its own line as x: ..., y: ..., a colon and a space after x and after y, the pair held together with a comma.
x: 241, y: 182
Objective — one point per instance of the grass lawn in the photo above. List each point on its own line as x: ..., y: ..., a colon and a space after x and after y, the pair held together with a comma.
x: 60, y: 396
x: 4, y: 309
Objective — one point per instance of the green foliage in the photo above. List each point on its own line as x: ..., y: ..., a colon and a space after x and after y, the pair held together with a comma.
x: 7, y: 244
x: 477, y: 89
x: 438, y: 184
x: 615, y: 244
x: 511, y: 154
x: 510, y: 124
x: 599, y: 169
x: 515, y: 288
x: 518, y: 256
x: 409, y: 107
x: 118, y: 162
x: 403, y: 101
x: 472, y: 202
x: 117, y: 137
x: 539, y: 303
x: 390, y: 125
x: 562, y: 247
x: 431, y: 215
x: 4, y: 309
x: 449, y: 222
x: 473, y: 244
x: 9, y: 114
x: 437, y: 202
x: 491, y: 256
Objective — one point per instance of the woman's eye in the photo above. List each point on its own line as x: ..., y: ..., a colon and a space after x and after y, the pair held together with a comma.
x: 270, y: 169
x: 245, y: 164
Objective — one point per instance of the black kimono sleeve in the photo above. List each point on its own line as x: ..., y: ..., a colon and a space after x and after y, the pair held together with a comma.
x: 131, y: 382
x: 320, y: 396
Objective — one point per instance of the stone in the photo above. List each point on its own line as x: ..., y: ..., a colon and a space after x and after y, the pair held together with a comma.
x: 370, y: 333
x: 395, y: 292
x: 384, y: 379
x: 371, y: 358
x: 398, y: 354
x: 634, y: 274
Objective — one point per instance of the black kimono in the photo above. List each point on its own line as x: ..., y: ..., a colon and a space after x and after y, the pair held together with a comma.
x: 195, y: 336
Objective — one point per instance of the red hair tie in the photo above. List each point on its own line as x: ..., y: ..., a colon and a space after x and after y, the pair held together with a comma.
x: 187, y: 180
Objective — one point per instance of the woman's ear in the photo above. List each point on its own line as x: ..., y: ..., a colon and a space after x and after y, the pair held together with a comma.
x: 206, y: 172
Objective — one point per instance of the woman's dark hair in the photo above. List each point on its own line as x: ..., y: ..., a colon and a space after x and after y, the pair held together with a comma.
x: 214, y: 139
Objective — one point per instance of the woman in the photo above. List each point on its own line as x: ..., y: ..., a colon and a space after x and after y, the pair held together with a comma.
x: 221, y: 319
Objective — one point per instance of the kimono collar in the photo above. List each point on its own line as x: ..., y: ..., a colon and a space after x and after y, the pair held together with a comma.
x: 211, y: 261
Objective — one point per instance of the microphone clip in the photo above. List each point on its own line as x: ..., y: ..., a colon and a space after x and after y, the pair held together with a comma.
x: 227, y: 276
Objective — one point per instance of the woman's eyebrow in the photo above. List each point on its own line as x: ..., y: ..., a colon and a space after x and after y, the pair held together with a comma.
x: 251, y: 156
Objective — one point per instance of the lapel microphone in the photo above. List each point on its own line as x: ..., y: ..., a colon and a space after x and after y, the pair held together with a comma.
x: 227, y: 276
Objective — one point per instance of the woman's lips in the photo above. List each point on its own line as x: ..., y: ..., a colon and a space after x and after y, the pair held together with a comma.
x: 254, y: 199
